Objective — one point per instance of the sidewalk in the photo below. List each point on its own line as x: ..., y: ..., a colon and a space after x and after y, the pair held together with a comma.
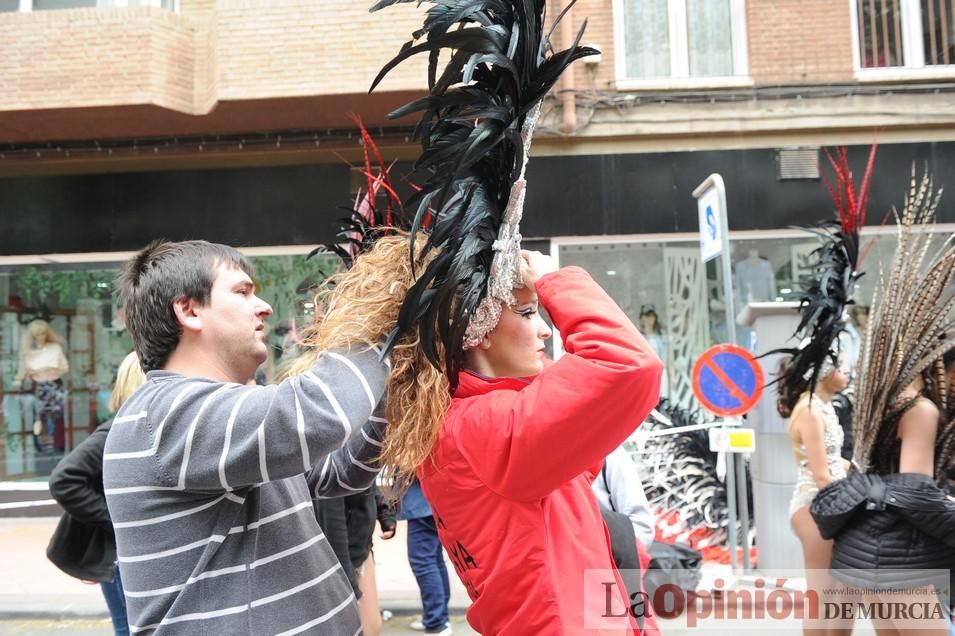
x: 34, y: 588
x: 34, y: 592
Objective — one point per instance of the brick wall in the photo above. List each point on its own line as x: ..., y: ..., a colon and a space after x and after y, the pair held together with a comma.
x: 599, y: 33
x: 290, y: 48
x: 212, y: 51
x: 89, y: 57
x: 218, y: 51
x: 799, y: 41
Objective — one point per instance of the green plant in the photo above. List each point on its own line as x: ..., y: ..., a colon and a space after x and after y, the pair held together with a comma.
x: 43, y: 287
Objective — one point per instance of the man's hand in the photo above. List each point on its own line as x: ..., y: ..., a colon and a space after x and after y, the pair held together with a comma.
x: 535, y: 266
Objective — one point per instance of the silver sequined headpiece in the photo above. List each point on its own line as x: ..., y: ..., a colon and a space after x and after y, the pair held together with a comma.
x: 505, y: 275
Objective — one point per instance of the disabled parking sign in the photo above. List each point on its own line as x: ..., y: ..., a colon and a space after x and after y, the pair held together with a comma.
x: 727, y: 380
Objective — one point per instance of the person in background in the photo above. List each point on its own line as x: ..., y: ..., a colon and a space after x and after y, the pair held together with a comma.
x: 83, y: 544
x: 361, y: 512
x: 618, y: 488
x: 43, y: 362
x: 426, y: 557
x: 626, y: 511
x: 348, y: 524
x: 811, y: 373
x: 816, y: 436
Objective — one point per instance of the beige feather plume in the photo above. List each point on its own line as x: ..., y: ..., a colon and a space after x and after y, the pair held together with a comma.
x: 911, y: 312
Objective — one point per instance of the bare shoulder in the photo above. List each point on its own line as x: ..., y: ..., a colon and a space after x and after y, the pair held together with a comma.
x: 806, y: 418
x: 923, y: 408
x: 921, y: 419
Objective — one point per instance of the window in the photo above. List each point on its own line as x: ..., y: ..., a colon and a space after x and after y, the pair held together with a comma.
x: 663, y: 275
x: 904, y: 34
x: 681, y: 40
x: 45, y: 5
x: 77, y: 302
x: 48, y: 5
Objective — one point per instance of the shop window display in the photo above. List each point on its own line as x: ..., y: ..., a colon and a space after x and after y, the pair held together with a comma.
x: 669, y: 277
x: 54, y: 387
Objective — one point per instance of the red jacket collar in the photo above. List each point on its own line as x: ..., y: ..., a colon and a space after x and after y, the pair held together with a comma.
x: 471, y: 384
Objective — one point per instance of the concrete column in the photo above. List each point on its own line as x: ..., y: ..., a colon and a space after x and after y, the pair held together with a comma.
x: 773, y: 466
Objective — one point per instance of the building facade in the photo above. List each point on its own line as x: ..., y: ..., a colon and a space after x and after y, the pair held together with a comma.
x: 122, y: 121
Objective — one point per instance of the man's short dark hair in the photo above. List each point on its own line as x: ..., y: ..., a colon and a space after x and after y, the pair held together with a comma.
x: 158, y: 275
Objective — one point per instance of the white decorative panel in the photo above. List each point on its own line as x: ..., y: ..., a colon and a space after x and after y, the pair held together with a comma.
x: 687, y: 318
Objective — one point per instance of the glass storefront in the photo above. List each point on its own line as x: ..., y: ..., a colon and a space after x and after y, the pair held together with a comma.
x: 43, y: 417
x: 678, y: 302
x: 658, y: 280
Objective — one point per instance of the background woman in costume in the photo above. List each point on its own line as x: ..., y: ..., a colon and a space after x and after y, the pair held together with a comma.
x: 43, y: 363
x: 82, y: 544
x: 816, y: 436
x: 815, y: 371
x: 890, y: 513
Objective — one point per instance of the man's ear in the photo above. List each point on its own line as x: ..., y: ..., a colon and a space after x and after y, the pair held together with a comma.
x: 186, y: 310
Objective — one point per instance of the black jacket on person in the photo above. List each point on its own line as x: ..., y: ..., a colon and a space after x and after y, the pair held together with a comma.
x: 361, y: 511
x: 886, y: 527
x: 83, y: 544
x: 349, y: 523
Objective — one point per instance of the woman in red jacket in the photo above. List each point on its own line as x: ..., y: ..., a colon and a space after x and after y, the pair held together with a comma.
x: 505, y: 446
x: 510, y: 473
x: 507, y: 459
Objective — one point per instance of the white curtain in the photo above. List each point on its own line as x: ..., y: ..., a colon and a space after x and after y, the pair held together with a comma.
x: 647, y: 39
x: 709, y: 27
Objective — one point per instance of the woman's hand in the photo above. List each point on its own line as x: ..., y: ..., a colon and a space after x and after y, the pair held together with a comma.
x: 535, y: 266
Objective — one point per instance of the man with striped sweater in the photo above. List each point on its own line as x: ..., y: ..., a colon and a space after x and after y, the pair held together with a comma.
x: 209, y: 481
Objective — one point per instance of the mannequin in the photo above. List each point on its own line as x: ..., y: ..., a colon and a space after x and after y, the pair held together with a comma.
x: 652, y: 330
x: 755, y: 280
x: 43, y: 363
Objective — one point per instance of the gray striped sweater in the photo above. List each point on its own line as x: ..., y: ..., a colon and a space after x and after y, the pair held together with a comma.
x: 209, y: 488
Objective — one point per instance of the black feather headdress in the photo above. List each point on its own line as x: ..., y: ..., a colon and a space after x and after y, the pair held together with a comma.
x: 828, y: 289
x: 475, y: 128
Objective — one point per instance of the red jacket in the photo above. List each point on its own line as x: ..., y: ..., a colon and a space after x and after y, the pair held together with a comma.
x: 509, y: 477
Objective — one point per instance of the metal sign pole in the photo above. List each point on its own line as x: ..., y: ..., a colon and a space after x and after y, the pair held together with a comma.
x: 715, y: 181
x: 743, y: 512
x: 742, y: 503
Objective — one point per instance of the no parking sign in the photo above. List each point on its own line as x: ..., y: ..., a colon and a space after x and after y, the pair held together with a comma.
x: 727, y: 380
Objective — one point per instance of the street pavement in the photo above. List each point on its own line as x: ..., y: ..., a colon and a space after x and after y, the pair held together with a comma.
x: 33, y: 588
x: 397, y: 626
x: 37, y: 599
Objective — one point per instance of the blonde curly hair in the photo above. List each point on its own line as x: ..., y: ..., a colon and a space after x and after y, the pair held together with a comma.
x: 360, y: 309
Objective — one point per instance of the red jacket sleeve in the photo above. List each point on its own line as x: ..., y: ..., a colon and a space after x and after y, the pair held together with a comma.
x: 525, y: 444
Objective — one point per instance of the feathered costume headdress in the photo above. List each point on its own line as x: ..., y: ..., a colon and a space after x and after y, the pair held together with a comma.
x: 475, y: 130
x: 909, y: 332
x: 376, y: 212
x: 828, y: 289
